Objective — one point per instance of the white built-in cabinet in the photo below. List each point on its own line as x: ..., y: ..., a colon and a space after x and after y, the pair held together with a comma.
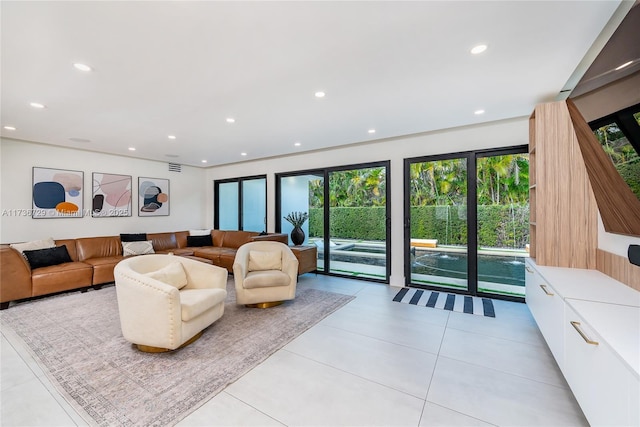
x: 591, y: 324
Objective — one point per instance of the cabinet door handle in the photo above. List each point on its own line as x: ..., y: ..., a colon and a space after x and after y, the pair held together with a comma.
x: 528, y: 269
x: 576, y: 326
x: 544, y: 288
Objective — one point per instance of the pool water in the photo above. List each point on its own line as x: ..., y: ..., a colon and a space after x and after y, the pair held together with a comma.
x: 508, y: 270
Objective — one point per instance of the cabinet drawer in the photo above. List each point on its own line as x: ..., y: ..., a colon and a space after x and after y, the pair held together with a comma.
x: 599, y: 380
x: 547, y: 308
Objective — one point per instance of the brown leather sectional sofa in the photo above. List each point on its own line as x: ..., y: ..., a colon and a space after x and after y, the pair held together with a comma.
x: 95, y: 257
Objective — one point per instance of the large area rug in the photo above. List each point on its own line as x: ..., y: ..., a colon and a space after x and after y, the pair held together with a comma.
x: 76, y: 338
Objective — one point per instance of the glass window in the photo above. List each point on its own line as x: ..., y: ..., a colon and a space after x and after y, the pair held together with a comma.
x: 241, y: 204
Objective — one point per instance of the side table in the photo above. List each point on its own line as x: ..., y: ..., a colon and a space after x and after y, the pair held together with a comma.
x: 307, y: 258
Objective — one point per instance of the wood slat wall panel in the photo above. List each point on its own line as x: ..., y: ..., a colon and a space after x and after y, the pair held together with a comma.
x: 619, y: 268
x: 566, y: 216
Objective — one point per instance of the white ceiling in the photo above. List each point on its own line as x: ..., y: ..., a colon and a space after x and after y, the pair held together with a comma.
x: 181, y: 68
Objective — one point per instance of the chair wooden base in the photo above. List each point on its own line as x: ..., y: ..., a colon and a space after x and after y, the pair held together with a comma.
x: 151, y: 349
x: 264, y: 304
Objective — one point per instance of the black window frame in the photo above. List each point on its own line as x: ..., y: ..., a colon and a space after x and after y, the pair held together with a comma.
x: 240, y: 181
x: 325, y: 172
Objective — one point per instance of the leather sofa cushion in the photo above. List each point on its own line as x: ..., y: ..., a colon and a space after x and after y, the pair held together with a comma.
x: 227, y: 258
x: 217, y: 236
x: 181, y: 238
x: 177, y: 251
x: 71, y: 247
x: 62, y: 277
x: 236, y: 239
x: 265, y: 279
x: 98, y: 247
x: 210, y: 253
x: 163, y: 241
x: 111, y: 260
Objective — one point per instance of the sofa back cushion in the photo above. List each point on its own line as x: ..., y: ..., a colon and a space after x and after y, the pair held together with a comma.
x: 217, y: 236
x: 272, y: 237
x: 235, y: 239
x: 163, y: 241
x: 71, y: 247
x: 98, y: 247
x: 181, y: 238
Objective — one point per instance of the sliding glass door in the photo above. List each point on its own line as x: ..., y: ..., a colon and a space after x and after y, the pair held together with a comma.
x: 357, y: 243
x: 502, y: 182
x: 467, y: 222
x: 348, y: 217
x: 438, y: 226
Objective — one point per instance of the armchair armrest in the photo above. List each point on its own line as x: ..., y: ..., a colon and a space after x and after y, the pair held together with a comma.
x: 289, y: 264
x: 147, y: 308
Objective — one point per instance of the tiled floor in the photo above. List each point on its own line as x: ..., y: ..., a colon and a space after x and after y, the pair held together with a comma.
x: 373, y: 362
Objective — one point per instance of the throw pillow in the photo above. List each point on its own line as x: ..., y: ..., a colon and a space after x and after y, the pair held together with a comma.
x: 261, y: 260
x: 200, y: 240
x: 33, y: 245
x: 172, y: 274
x: 203, y: 232
x: 137, y: 248
x: 133, y: 237
x: 49, y: 256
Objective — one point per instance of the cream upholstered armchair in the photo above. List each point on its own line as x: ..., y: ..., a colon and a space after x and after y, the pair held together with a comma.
x: 166, y: 301
x: 265, y: 274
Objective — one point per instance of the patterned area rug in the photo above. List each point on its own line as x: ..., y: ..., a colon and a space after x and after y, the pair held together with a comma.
x: 445, y: 301
x: 76, y: 338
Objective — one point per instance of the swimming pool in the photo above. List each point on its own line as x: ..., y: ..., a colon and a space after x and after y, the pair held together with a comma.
x: 507, y: 270
x: 501, y: 269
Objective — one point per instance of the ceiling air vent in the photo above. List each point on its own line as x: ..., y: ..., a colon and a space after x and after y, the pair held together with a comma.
x: 174, y: 167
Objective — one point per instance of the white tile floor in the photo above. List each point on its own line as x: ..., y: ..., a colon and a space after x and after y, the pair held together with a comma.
x: 373, y: 362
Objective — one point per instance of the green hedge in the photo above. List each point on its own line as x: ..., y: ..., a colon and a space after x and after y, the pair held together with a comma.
x: 499, y: 226
x: 631, y: 174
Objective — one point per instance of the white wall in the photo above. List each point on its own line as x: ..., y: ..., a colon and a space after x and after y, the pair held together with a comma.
x: 187, y: 193
x: 615, y: 243
x: 489, y: 135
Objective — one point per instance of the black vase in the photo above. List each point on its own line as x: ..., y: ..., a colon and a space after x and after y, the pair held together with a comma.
x: 297, y: 236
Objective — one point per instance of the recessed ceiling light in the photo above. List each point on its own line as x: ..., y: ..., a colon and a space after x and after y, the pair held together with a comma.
x: 204, y: 161
x: 132, y: 149
x: 297, y: 144
x: 371, y: 131
x: 36, y: 105
x: 79, y: 140
x: 319, y: 94
x: 9, y: 128
x: 173, y: 156
x: 82, y: 67
x: 231, y: 120
x: 626, y: 64
x: 171, y: 136
x: 478, y: 112
x: 243, y: 154
x: 479, y: 49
